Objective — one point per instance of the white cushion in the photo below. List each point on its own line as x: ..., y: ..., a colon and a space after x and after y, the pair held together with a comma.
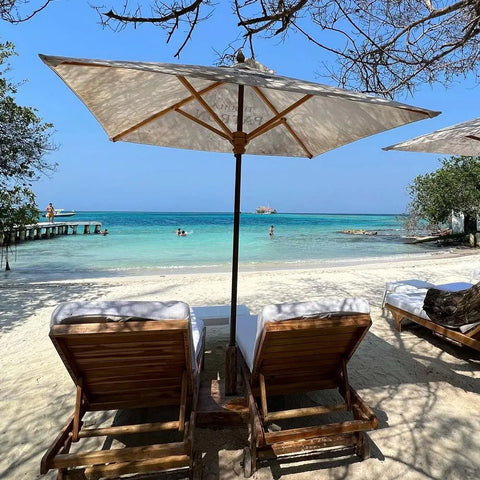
x: 413, y: 285
x: 122, y: 311
x: 248, y: 333
x: 454, y: 287
x: 411, y: 302
x: 407, y: 285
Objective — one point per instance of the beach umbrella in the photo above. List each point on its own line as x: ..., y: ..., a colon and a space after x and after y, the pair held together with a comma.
x: 460, y: 139
x: 244, y: 108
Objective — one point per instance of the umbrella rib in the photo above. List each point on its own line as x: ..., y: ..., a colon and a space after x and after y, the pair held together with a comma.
x: 153, y: 117
x: 473, y: 137
x: 284, y: 121
x: 205, y: 105
x: 204, y: 124
x: 276, y: 119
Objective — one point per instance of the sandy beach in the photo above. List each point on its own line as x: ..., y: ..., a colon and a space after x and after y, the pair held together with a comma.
x: 424, y: 390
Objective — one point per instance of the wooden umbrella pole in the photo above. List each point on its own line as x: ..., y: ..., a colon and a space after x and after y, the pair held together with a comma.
x: 239, y: 143
x: 236, y: 238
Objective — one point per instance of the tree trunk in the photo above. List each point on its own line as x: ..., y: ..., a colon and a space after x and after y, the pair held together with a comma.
x: 7, y: 249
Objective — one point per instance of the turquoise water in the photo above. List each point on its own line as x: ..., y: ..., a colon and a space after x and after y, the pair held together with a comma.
x: 145, y: 242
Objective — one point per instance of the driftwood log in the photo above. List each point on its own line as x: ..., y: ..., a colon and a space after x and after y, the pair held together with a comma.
x: 453, y: 309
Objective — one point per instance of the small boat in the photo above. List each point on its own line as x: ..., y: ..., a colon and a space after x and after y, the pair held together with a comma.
x: 266, y: 210
x: 60, y: 212
x: 428, y: 238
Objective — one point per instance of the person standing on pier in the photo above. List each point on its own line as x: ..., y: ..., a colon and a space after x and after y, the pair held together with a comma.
x: 50, y: 213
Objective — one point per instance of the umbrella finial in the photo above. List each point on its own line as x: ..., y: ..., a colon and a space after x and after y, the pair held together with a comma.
x: 240, y: 56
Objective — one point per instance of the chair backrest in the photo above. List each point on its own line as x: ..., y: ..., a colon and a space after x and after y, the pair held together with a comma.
x: 304, y: 354
x: 125, y: 364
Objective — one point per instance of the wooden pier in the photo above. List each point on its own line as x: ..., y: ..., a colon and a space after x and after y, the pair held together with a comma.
x: 44, y: 230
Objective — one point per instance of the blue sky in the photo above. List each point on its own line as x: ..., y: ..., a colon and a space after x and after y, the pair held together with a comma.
x: 96, y: 174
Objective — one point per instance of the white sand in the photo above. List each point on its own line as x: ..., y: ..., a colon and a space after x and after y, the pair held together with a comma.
x: 424, y: 390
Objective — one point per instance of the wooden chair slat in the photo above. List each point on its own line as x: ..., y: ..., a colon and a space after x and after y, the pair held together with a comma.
x: 132, y: 328
x: 118, y: 455
x: 140, y: 387
x: 353, y: 320
x: 286, y: 448
x: 315, y: 331
x: 306, y: 433
x: 144, y: 466
x: 290, y: 385
x: 296, y: 352
x: 142, y: 377
x: 126, y: 402
x: 137, y: 359
x: 111, y: 371
x: 326, y: 339
x: 106, y: 349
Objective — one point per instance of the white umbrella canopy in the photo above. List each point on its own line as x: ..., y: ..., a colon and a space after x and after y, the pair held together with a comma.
x: 460, y: 139
x: 153, y: 103
x: 236, y: 109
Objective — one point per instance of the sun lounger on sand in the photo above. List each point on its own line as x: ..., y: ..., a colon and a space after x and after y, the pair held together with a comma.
x: 124, y: 355
x: 303, y: 347
x: 409, y: 304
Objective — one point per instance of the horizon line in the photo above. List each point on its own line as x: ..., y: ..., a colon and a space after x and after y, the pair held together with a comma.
x: 231, y: 212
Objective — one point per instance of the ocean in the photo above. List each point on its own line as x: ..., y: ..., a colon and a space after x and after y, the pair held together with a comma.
x: 146, y: 242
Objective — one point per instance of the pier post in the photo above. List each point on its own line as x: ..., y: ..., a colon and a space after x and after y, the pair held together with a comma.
x: 46, y: 230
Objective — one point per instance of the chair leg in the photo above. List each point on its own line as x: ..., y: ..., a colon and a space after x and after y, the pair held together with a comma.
x: 263, y: 396
x: 78, y: 474
x: 397, y: 320
x: 384, y: 299
x: 248, y: 462
x: 196, y: 469
x: 362, y: 448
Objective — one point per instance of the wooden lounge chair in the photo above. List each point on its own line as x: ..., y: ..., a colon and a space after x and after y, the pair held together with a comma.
x: 409, y: 306
x: 124, y: 355
x: 303, y: 347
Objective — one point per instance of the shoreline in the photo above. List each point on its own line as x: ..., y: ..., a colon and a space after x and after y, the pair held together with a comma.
x: 244, y: 267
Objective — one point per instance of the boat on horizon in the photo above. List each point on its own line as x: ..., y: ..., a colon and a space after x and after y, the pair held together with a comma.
x: 265, y: 210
